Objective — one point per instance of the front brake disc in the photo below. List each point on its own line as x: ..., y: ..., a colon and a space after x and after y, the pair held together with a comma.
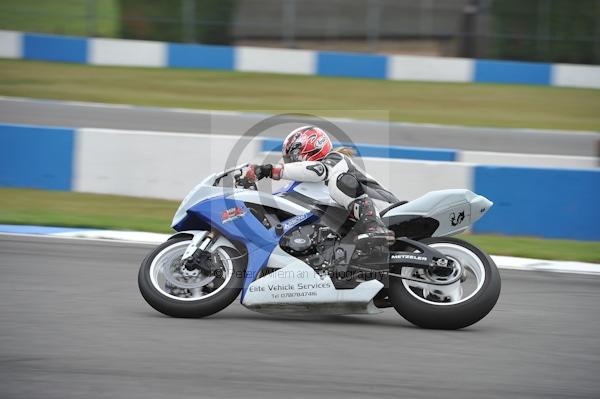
x: 174, y: 276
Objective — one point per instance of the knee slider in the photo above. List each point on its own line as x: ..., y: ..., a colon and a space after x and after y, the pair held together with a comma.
x: 349, y: 185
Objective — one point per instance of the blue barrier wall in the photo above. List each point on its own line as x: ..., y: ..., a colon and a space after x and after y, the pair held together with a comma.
x: 344, y: 64
x: 55, y: 48
x: 200, y: 56
x: 489, y: 71
x: 544, y: 202
x: 36, y: 157
x: 381, y: 151
x: 352, y: 65
x: 425, y: 154
x: 551, y: 203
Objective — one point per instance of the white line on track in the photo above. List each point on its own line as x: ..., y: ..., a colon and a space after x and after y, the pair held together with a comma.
x: 143, y: 238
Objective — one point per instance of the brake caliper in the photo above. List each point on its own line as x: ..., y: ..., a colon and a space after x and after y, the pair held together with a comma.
x: 200, y: 262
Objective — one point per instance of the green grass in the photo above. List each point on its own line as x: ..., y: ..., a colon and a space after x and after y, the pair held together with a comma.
x: 64, y: 17
x: 529, y: 247
x: 59, y: 208
x: 444, y: 103
x: 56, y: 208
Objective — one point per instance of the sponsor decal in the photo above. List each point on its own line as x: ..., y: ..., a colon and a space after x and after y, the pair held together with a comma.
x: 455, y: 219
x: 295, y: 220
x: 232, y: 214
x: 411, y: 257
x: 289, y: 290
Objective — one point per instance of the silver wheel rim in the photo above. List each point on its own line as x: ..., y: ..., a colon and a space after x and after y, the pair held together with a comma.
x: 460, y: 291
x: 175, y: 251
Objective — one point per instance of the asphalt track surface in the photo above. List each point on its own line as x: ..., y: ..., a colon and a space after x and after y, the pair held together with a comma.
x: 73, y: 325
x: 70, y: 114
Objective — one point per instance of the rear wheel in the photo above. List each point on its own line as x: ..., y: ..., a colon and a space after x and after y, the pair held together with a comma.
x: 177, y: 292
x: 467, y: 300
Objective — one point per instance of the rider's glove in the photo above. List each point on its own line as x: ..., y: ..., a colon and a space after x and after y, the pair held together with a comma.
x: 257, y: 172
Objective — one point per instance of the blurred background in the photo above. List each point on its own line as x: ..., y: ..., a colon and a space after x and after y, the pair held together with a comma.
x: 534, y: 30
x: 498, y: 96
x: 112, y: 110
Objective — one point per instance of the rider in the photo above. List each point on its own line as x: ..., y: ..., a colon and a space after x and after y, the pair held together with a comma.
x: 308, y: 157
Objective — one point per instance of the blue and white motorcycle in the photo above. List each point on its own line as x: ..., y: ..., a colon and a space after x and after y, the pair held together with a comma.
x: 293, y: 253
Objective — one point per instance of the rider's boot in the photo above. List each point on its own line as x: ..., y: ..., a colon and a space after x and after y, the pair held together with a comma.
x: 369, y: 228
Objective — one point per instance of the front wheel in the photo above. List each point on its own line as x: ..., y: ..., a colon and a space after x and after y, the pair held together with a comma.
x: 450, y: 307
x: 171, y: 290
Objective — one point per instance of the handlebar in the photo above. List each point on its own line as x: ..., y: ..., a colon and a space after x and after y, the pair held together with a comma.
x: 245, y: 183
x: 237, y: 177
x: 227, y: 172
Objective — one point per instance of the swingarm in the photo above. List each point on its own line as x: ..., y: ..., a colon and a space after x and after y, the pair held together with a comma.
x: 419, y: 256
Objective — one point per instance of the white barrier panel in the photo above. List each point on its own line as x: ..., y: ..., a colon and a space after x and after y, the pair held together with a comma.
x: 160, y: 165
x: 150, y: 164
x: 402, y: 67
x: 11, y: 44
x: 256, y: 59
x: 409, y: 179
x: 127, y: 52
x: 566, y: 75
x: 534, y: 160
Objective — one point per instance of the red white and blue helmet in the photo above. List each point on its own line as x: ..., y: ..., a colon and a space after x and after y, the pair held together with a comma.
x: 307, y: 143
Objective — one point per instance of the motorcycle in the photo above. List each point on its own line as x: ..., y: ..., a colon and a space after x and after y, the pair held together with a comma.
x: 293, y: 252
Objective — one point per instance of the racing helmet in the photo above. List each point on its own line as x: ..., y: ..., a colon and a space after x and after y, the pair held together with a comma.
x: 307, y: 143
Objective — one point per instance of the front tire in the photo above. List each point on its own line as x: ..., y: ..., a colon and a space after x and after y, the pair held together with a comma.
x: 428, y: 306
x: 174, y: 301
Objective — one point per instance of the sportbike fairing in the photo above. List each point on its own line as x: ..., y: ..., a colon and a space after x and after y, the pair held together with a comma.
x: 274, y: 280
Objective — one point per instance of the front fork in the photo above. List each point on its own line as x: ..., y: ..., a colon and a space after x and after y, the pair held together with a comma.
x: 196, y: 257
x: 199, y: 242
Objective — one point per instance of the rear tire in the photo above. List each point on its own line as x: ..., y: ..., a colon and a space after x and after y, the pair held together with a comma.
x: 448, y: 316
x: 190, y: 308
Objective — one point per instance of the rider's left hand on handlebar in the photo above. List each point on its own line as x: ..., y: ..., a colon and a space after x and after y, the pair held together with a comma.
x: 249, y: 173
x: 254, y: 173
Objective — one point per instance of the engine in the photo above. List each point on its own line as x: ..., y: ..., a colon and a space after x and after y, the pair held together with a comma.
x: 301, y: 241
x: 311, y: 243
